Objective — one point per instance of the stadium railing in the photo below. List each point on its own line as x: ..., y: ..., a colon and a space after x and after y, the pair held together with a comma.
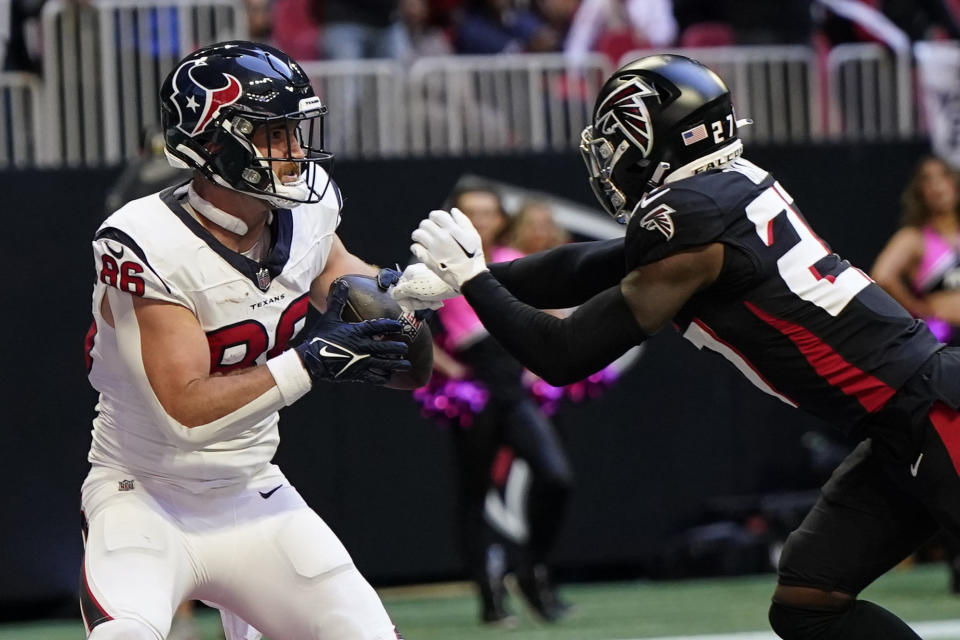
x: 104, y: 61
x: 455, y: 105
x: 871, y: 93
x: 775, y: 86
x: 19, y: 119
x: 470, y: 104
x: 365, y: 101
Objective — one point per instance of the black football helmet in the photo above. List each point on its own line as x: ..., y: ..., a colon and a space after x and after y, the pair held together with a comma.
x: 656, y: 119
x: 218, y: 97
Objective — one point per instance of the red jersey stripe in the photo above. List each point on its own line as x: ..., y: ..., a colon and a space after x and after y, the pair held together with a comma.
x: 870, y: 392
x: 947, y: 423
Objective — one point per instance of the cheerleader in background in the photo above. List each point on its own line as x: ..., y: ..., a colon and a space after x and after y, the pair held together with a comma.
x: 514, y: 475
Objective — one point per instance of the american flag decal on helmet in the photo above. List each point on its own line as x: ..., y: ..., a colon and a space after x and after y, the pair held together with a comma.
x: 625, y: 110
x: 659, y: 219
x: 696, y: 134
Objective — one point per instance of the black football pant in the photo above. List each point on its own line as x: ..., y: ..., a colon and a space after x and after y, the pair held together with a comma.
x: 893, y: 492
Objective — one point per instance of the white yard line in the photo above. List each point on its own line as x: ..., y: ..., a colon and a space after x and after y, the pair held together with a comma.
x: 943, y: 629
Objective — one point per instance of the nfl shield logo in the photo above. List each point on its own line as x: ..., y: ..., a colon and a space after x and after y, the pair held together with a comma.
x: 263, y: 278
x: 125, y: 485
x: 410, y: 324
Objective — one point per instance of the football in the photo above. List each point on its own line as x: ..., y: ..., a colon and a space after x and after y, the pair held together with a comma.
x: 367, y: 301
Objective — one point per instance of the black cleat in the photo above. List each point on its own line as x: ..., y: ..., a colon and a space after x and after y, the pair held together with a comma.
x: 541, y: 594
x: 493, y: 593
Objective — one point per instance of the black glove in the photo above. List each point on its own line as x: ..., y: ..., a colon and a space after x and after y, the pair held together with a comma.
x: 338, y: 351
x: 387, y: 278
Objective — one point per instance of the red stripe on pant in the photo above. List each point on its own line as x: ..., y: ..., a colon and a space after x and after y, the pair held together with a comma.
x: 947, y: 423
x: 90, y: 609
x: 500, y: 468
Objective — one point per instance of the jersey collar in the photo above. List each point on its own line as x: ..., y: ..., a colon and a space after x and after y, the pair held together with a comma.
x: 261, y: 273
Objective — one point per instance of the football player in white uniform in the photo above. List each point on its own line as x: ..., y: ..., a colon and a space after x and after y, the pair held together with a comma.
x: 199, y: 291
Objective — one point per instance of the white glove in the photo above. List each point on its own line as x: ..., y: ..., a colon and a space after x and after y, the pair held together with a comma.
x: 450, y: 246
x: 420, y: 288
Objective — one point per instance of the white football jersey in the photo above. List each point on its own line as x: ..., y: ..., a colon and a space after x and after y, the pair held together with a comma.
x: 153, y: 247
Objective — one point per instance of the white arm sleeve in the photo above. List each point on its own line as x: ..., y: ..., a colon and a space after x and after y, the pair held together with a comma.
x: 259, y: 412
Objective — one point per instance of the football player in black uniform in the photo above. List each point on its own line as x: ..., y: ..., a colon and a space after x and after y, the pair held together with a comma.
x: 717, y: 246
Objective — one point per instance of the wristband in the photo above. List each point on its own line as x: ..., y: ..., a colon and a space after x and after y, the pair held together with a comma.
x: 291, y: 376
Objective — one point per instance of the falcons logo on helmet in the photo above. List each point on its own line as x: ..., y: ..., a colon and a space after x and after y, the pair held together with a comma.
x: 625, y: 110
x: 197, y: 102
x: 659, y: 219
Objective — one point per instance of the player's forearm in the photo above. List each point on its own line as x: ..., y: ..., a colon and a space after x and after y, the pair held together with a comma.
x: 198, y: 410
x: 558, y: 350
x: 565, y: 276
x: 211, y: 411
x: 204, y: 400
x: 189, y: 426
x: 239, y: 395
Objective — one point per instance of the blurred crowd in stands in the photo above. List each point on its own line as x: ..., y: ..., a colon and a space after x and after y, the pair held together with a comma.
x: 408, y: 29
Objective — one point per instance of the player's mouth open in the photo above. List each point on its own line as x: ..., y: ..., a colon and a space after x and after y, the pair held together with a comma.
x: 290, y: 175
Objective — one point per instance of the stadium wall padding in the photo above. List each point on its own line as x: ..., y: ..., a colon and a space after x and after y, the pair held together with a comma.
x: 678, y: 429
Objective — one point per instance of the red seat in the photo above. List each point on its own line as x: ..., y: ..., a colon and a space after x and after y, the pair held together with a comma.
x: 615, y: 43
x: 708, y: 34
x: 295, y: 30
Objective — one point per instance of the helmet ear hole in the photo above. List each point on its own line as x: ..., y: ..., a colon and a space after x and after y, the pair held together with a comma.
x: 666, y: 93
x: 243, y: 126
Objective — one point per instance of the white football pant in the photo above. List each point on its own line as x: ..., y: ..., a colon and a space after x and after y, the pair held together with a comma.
x: 256, y: 550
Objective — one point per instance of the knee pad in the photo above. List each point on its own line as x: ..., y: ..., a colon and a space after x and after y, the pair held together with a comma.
x: 797, y: 623
x: 123, y: 629
x: 861, y: 620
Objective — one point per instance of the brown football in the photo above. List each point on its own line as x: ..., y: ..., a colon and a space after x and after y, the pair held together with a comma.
x: 367, y: 301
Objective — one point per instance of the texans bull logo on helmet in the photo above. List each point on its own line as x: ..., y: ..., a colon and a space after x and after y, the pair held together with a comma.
x: 200, y: 92
x: 624, y: 109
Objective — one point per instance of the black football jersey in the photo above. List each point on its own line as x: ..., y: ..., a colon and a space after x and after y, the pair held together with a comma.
x: 797, y: 320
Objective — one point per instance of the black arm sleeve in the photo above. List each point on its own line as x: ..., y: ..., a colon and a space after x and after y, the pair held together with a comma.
x: 565, y: 276
x: 560, y: 351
